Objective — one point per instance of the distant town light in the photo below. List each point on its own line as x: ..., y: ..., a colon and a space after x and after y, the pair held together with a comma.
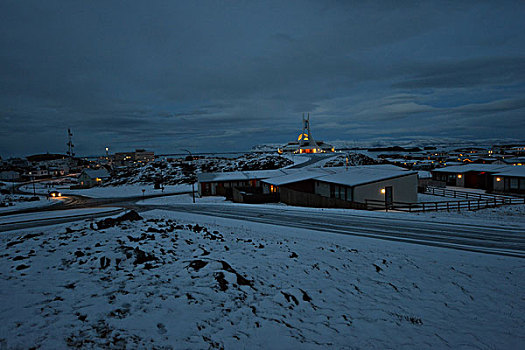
x: 460, y: 176
x: 383, y: 191
x: 498, y: 179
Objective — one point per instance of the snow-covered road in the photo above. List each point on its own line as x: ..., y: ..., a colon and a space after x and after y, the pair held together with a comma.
x: 508, y: 240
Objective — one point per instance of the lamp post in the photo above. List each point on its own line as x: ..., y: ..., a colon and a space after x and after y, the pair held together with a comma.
x: 33, y: 181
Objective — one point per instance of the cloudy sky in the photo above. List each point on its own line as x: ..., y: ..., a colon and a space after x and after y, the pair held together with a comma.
x: 226, y: 75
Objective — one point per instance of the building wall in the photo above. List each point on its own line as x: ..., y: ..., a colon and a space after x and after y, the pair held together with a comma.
x: 322, y: 189
x: 404, y: 190
x: 460, y: 182
x: 303, y: 199
x: 509, y: 184
x: 498, y: 185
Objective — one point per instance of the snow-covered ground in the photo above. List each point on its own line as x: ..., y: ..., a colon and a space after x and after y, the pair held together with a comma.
x: 177, y: 280
x: 18, y: 202
x: 504, y: 216
x: 127, y: 190
x: 52, y: 214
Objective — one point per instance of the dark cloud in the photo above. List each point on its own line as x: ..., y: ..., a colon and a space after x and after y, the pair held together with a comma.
x: 468, y: 73
x: 224, y: 76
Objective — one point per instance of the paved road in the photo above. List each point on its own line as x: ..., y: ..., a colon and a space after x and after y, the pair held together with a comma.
x: 19, y: 225
x: 486, y: 239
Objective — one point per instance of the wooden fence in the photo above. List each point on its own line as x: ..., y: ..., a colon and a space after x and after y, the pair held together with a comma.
x: 469, y: 201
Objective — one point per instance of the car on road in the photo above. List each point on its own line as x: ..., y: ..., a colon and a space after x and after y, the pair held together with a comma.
x: 54, y: 194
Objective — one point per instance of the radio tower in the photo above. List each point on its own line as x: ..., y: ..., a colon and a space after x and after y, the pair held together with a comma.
x: 70, y: 144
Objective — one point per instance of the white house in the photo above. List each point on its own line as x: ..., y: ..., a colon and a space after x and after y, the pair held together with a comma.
x: 92, y: 177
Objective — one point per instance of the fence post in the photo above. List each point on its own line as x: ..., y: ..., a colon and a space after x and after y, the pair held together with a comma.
x: 448, y: 209
x: 459, y: 203
x: 436, y: 206
x: 423, y: 206
x: 468, y: 204
x: 479, y: 203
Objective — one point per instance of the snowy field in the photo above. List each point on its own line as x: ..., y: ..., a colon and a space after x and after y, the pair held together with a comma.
x: 172, y: 281
x: 128, y: 190
x: 7, y: 219
x: 110, y: 191
x: 18, y: 202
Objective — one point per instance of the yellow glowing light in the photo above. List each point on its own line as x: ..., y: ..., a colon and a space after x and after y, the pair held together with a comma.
x: 302, y: 136
x: 383, y: 191
x: 460, y: 176
x: 498, y: 179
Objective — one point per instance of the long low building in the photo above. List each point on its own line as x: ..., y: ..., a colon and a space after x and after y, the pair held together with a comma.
x: 319, y: 187
x: 490, y: 177
x: 359, y: 184
x: 510, y: 180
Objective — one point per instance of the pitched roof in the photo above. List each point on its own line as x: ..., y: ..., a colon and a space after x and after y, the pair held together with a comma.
x: 353, y: 176
x: 514, y: 171
x: 471, y: 167
x: 94, y: 173
x: 239, y: 175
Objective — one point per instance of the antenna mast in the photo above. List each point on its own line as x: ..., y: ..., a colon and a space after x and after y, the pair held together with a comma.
x: 70, y: 144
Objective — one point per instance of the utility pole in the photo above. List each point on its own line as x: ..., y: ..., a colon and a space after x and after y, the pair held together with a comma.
x: 193, y: 183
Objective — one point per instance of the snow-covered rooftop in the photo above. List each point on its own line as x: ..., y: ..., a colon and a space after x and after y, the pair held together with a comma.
x: 305, y: 174
x: 240, y: 175
x: 515, y: 171
x: 93, y: 173
x: 363, y: 174
x: 471, y: 167
x: 352, y: 176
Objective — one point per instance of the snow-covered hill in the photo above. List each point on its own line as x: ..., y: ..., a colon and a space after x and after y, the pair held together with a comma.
x: 180, y: 171
x: 172, y: 281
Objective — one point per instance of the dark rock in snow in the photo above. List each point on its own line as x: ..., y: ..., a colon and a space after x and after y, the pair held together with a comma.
x: 223, y: 284
x: 110, y: 222
x: 142, y: 257
x: 104, y: 262
x: 289, y: 297
x: 22, y: 267
x: 197, y: 264
x: 378, y: 269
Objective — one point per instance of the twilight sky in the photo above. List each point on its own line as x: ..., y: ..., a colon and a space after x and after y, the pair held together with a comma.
x: 226, y: 75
